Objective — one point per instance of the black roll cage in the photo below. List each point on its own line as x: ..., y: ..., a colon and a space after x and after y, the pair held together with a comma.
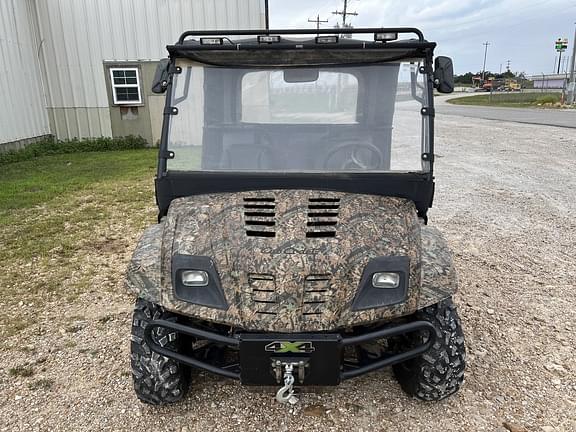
x: 416, y: 186
x: 367, y: 30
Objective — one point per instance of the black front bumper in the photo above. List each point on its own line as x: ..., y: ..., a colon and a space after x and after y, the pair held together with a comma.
x: 320, y: 354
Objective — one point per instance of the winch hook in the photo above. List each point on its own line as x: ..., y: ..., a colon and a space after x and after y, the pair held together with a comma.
x: 286, y: 393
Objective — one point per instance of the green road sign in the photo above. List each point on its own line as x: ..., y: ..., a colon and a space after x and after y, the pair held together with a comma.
x: 561, y: 44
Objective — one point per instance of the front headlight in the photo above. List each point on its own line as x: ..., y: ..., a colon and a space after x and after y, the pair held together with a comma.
x: 384, y: 282
x: 195, y: 278
x: 387, y: 280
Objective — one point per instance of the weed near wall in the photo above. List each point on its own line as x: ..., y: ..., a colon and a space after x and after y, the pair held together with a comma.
x: 52, y: 146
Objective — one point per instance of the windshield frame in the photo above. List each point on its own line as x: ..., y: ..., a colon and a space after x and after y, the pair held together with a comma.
x: 419, y: 90
x: 416, y: 186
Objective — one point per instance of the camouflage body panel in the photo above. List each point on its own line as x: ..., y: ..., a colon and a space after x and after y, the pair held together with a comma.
x: 439, y: 280
x: 293, y: 275
x: 143, y: 275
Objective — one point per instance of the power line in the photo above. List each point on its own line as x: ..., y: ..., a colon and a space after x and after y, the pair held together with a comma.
x: 572, y: 79
x: 486, y: 44
x: 318, y: 21
x: 344, y: 12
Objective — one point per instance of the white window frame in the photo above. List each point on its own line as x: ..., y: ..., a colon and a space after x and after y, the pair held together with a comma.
x: 115, y: 86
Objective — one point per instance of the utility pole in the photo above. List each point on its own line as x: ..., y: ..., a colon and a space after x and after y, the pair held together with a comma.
x: 266, y: 15
x: 318, y: 21
x: 486, y: 44
x: 561, y: 44
x: 572, y: 81
x: 344, y: 12
x: 554, y: 68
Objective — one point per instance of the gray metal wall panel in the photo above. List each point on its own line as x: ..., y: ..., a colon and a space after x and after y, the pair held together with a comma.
x: 78, y: 36
x: 71, y: 42
x: 23, y: 114
x: 79, y: 122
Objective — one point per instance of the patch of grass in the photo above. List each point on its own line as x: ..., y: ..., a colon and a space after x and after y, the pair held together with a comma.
x: 51, y: 146
x: 41, y: 384
x: 549, y: 99
x: 513, y: 100
x: 66, y: 205
x: 63, y: 220
x: 70, y: 344
x: 21, y: 371
x: 38, y: 181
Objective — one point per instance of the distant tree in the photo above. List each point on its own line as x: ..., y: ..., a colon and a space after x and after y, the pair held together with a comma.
x: 467, y: 77
x: 464, y: 79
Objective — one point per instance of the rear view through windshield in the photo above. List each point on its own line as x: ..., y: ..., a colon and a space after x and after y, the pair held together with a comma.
x: 322, y: 119
x: 327, y: 97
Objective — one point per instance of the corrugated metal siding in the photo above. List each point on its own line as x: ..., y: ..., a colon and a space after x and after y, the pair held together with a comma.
x: 79, y: 35
x: 23, y: 113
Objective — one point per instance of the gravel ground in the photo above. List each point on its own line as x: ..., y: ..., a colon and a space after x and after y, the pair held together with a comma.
x: 506, y: 201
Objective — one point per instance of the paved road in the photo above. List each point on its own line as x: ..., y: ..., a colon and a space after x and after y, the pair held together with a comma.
x: 548, y: 117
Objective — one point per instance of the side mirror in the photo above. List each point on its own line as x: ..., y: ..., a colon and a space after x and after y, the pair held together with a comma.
x: 160, y: 83
x: 444, y: 75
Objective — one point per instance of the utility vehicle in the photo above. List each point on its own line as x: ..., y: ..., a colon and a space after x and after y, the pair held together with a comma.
x: 292, y: 249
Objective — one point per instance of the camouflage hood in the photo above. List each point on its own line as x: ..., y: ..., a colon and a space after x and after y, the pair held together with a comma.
x: 291, y: 260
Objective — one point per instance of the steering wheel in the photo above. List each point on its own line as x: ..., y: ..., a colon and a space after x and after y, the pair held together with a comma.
x: 354, y: 155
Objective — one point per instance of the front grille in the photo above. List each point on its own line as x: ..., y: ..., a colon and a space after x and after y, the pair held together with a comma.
x: 260, y: 216
x: 263, y: 292
x: 313, y: 299
x: 316, y: 293
x: 323, y: 213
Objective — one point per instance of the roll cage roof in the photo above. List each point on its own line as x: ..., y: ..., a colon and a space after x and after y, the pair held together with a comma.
x: 248, y: 48
x: 197, y: 44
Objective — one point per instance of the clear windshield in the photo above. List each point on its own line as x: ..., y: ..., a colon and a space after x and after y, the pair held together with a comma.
x: 322, y: 119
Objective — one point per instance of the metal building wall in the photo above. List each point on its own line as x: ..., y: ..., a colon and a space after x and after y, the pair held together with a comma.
x: 77, y: 36
x: 23, y: 113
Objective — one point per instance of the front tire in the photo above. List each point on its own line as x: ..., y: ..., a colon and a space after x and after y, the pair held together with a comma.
x: 157, y: 379
x: 439, y: 372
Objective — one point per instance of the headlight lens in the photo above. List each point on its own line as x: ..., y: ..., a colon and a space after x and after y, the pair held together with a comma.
x: 385, y: 280
x: 195, y: 278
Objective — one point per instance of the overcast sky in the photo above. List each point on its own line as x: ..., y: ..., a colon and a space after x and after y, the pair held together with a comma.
x: 521, y: 31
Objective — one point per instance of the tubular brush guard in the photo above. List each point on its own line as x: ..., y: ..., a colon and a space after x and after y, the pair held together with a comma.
x: 319, y: 353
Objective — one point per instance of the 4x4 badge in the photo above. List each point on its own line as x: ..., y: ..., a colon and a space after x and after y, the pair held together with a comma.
x: 280, y: 347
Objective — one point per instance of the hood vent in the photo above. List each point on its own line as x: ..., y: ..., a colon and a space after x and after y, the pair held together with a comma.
x: 263, y: 291
x: 260, y: 217
x: 316, y: 293
x: 322, y: 217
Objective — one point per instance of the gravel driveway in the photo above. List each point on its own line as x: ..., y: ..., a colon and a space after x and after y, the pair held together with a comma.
x: 506, y: 201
